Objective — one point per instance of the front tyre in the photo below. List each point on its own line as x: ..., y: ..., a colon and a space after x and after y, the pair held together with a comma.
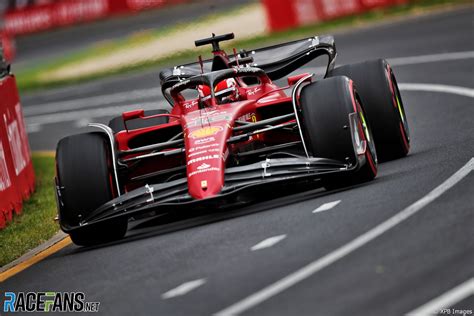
x: 86, y: 181
x: 378, y: 89
x: 326, y: 107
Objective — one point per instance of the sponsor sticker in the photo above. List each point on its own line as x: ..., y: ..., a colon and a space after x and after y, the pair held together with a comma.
x: 205, y: 140
x: 254, y: 91
x: 191, y: 150
x: 203, y: 171
x: 204, y: 166
x: 208, y: 118
x: 203, y: 158
x: 198, y: 153
x: 249, y: 117
x: 189, y: 105
x: 206, y: 132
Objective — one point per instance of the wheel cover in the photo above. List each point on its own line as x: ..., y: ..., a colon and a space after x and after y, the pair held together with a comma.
x: 399, y: 104
x: 366, y: 131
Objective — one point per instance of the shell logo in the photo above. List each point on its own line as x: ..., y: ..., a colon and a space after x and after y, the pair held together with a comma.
x: 205, y: 132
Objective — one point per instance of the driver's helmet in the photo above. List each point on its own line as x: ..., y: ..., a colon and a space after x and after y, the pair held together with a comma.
x: 225, y: 91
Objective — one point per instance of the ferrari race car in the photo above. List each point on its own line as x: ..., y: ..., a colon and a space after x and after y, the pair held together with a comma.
x: 231, y: 134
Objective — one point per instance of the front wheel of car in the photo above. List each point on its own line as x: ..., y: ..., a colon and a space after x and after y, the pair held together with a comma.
x: 378, y: 89
x: 85, y: 181
x: 326, y: 107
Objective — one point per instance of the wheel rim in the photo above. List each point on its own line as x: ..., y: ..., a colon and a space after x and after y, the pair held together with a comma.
x: 366, y: 130
x: 399, y: 104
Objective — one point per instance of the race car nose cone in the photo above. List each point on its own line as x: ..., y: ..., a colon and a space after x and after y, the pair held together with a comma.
x: 206, y: 142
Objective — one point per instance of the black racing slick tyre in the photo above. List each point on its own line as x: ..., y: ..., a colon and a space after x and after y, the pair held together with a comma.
x: 86, y: 181
x: 325, y: 109
x: 117, y: 125
x: 378, y: 89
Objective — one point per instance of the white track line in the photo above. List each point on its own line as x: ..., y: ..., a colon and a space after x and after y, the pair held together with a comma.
x: 268, y: 242
x: 33, y: 128
x: 53, y: 112
x: 327, y: 206
x: 446, y: 300
x: 401, y: 61
x: 412, y: 60
x: 134, y: 95
x: 101, y: 100
x: 183, y: 289
x: 467, y: 92
x: 321, y: 263
x: 61, y: 117
x: 93, y: 113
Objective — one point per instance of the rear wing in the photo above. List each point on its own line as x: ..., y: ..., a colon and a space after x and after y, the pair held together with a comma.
x: 277, y: 61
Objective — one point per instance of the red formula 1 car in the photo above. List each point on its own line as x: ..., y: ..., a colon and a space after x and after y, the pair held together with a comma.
x: 232, y: 134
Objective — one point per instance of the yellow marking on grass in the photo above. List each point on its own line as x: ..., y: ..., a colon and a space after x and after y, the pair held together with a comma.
x: 35, y: 259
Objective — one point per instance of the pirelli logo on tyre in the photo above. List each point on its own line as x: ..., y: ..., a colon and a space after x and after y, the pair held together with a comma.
x: 205, y: 132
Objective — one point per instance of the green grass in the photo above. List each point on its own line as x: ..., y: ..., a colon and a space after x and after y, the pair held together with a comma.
x: 36, y: 223
x: 30, y: 79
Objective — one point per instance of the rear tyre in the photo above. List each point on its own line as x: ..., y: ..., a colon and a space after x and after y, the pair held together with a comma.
x: 86, y: 181
x: 325, y: 109
x: 382, y: 101
x: 117, y: 125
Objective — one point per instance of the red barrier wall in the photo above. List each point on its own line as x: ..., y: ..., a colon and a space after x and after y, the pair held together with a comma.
x: 285, y: 14
x: 60, y: 13
x: 16, y: 169
x: 8, y: 44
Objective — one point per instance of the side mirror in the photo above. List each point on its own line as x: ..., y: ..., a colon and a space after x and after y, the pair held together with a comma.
x: 292, y: 80
x: 130, y: 115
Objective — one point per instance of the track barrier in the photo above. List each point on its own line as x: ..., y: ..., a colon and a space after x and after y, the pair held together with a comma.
x: 16, y: 169
x: 286, y: 14
x: 59, y: 13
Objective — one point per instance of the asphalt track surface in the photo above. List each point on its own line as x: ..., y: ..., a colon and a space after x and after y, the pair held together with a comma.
x: 208, y: 264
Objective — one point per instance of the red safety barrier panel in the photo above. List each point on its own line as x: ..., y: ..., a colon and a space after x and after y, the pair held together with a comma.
x: 285, y: 14
x: 16, y: 169
x: 60, y: 13
x: 8, y: 44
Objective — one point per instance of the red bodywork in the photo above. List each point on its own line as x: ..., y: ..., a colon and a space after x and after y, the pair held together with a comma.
x: 206, y: 133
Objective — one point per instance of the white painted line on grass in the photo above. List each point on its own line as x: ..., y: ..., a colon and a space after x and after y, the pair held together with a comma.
x: 446, y: 300
x: 467, y: 92
x: 183, y: 289
x: 268, y: 242
x: 321, y: 263
x: 401, y: 61
x: 327, y: 206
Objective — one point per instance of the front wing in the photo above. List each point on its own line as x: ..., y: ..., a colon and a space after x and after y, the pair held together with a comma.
x: 249, y: 181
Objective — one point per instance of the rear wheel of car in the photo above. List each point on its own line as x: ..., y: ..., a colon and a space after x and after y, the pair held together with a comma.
x: 325, y: 108
x: 378, y: 89
x: 117, y: 125
x: 86, y: 181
